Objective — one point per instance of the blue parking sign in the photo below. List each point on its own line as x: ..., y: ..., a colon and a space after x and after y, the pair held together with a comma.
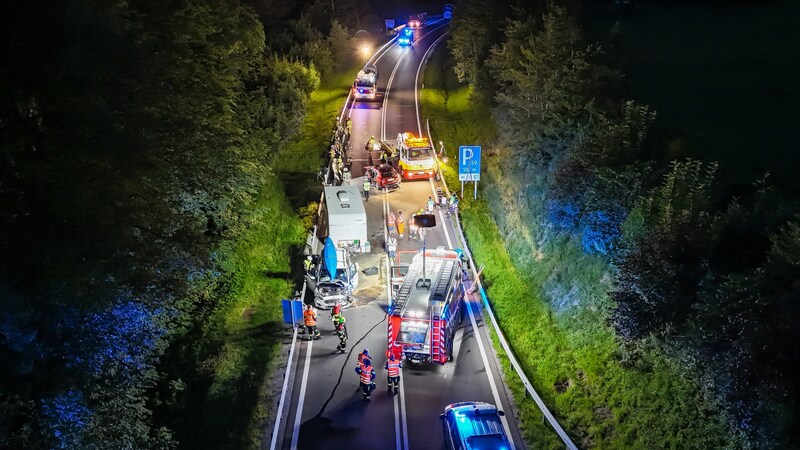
x: 469, y: 163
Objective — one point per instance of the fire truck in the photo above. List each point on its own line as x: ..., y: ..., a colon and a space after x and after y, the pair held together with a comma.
x: 366, y: 84
x: 412, y: 156
x: 427, y: 308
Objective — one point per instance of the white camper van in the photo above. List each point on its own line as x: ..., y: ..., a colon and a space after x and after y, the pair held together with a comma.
x: 346, y: 218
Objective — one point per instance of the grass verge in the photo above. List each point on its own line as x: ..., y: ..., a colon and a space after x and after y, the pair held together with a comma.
x: 224, y: 369
x: 551, y: 302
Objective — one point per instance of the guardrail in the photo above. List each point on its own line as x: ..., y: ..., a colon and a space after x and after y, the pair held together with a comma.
x: 501, y: 337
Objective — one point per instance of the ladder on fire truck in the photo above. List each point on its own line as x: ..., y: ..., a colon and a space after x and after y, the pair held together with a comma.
x: 438, y: 344
x: 401, y: 298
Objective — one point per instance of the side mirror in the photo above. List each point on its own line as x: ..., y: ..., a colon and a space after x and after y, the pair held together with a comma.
x: 441, y: 416
x: 500, y: 413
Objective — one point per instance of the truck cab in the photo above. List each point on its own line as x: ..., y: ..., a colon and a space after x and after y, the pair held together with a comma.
x: 413, y: 157
x: 366, y: 84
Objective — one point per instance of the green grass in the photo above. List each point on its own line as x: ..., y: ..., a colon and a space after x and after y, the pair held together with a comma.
x: 235, y: 351
x: 551, y: 303
x: 305, y: 153
x: 228, y: 400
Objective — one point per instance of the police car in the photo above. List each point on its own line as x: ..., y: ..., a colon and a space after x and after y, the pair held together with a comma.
x: 406, y: 37
x: 473, y: 426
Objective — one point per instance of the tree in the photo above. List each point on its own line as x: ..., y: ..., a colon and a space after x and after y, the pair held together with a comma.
x: 663, y: 259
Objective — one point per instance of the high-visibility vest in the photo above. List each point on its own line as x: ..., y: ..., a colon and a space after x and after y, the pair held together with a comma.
x: 366, y: 185
x: 310, y: 318
x: 366, y: 374
x: 394, y: 368
x: 392, y: 244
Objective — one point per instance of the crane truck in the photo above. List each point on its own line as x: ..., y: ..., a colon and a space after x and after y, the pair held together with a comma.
x: 412, y: 156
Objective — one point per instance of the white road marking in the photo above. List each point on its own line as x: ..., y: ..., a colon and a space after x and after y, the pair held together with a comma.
x: 492, y: 384
x: 441, y: 217
x: 275, y: 429
x: 403, y: 414
x: 397, y: 417
x: 298, y: 417
x: 386, y: 95
x: 416, y: 82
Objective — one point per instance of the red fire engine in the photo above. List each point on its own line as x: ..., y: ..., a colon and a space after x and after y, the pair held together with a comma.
x: 427, y: 308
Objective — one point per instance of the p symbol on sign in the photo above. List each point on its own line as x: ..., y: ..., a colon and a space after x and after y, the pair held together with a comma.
x: 467, y: 154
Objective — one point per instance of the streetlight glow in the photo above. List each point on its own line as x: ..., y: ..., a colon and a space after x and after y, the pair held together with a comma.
x: 366, y: 51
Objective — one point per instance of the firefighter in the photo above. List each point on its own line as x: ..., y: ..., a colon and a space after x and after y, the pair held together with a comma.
x: 346, y: 176
x: 336, y: 311
x: 371, y: 143
x: 367, y: 376
x: 310, y: 320
x: 401, y: 224
x: 391, y: 247
x: 391, y: 220
x: 366, y: 185
x: 341, y: 332
x: 393, y: 367
x: 453, y: 204
x: 363, y: 355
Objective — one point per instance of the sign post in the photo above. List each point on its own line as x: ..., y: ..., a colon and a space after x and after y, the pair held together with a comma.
x: 469, y: 166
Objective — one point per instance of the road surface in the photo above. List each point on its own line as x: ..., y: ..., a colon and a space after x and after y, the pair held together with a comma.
x: 325, y: 409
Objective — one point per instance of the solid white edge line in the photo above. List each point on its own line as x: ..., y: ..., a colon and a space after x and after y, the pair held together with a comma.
x: 386, y: 94
x: 416, y: 81
x: 397, y: 417
x: 489, y: 375
x: 298, y: 417
x: 275, y: 429
x: 403, y: 414
x: 441, y: 218
x: 492, y: 384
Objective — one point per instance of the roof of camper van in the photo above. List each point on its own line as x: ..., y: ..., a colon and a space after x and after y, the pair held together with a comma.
x: 344, y: 201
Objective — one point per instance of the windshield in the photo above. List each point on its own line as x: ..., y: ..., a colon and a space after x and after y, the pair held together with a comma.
x: 416, y: 154
x: 365, y: 83
x: 487, y: 441
x: 387, y: 173
x: 413, y: 332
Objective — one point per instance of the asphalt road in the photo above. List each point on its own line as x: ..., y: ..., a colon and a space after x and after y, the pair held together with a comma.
x: 326, y: 410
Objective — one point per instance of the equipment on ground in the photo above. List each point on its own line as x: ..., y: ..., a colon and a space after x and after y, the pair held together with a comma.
x: 427, y: 307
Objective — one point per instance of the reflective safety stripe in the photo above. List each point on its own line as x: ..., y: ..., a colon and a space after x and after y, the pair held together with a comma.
x: 394, y: 369
x: 366, y: 374
x: 309, y: 318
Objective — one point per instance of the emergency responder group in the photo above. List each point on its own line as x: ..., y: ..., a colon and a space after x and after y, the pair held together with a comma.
x: 366, y: 373
x: 364, y: 368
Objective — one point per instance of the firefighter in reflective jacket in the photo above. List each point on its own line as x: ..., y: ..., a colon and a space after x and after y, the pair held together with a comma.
x: 393, y: 367
x: 341, y: 332
x: 310, y: 321
x: 366, y: 377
